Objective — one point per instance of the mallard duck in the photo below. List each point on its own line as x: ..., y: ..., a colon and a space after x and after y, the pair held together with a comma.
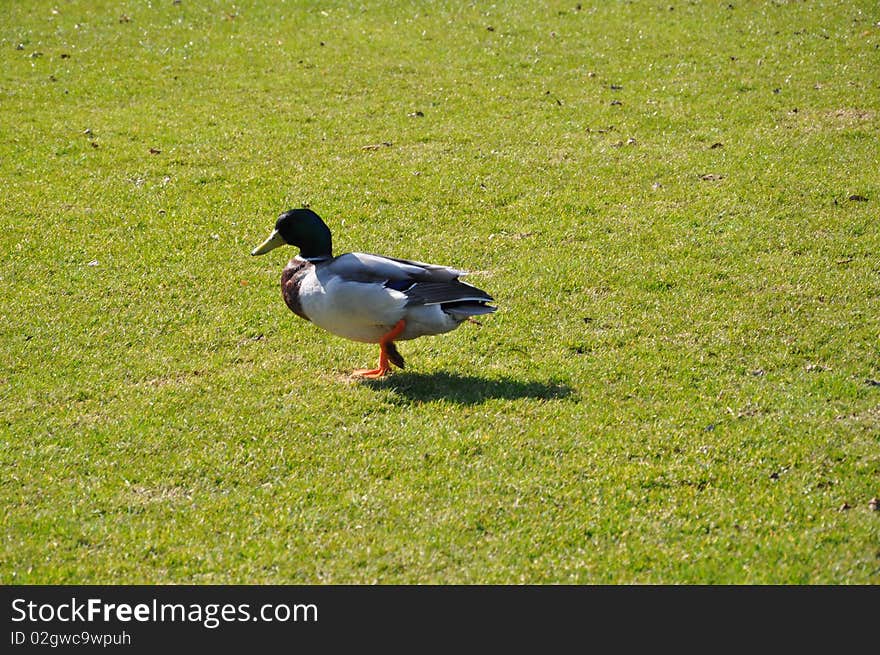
x: 368, y: 298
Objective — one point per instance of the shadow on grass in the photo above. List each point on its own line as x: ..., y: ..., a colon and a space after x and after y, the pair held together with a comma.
x: 466, y: 389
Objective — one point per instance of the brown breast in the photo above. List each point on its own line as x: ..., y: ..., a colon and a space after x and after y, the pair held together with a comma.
x: 291, y: 277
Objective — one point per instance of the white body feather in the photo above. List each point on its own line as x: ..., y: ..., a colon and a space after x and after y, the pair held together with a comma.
x: 348, y: 298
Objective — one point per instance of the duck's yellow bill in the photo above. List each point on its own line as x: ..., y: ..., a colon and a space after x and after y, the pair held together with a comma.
x: 275, y: 239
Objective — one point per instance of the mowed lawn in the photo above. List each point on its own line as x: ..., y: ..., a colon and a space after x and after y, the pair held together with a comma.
x: 675, y: 204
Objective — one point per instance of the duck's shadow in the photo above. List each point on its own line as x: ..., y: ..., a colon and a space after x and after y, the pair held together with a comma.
x: 466, y: 389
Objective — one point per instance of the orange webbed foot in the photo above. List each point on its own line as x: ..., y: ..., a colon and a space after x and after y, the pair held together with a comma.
x: 387, y: 354
x: 372, y: 373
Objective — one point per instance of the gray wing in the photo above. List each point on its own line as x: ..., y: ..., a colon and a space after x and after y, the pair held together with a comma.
x: 422, y: 284
x: 362, y: 267
x: 439, y: 293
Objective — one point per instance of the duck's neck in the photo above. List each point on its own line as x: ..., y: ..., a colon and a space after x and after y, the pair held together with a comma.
x: 312, y: 260
x: 314, y: 256
x: 316, y: 244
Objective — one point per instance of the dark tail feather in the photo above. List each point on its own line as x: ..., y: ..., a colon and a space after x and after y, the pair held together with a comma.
x: 394, y: 355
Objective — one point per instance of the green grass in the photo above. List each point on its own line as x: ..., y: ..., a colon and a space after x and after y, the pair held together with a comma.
x: 676, y: 388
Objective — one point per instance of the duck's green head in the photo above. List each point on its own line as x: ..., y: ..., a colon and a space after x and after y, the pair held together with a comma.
x: 302, y: 228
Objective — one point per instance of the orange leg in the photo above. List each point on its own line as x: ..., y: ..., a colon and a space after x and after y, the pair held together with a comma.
x: 384, y: 365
